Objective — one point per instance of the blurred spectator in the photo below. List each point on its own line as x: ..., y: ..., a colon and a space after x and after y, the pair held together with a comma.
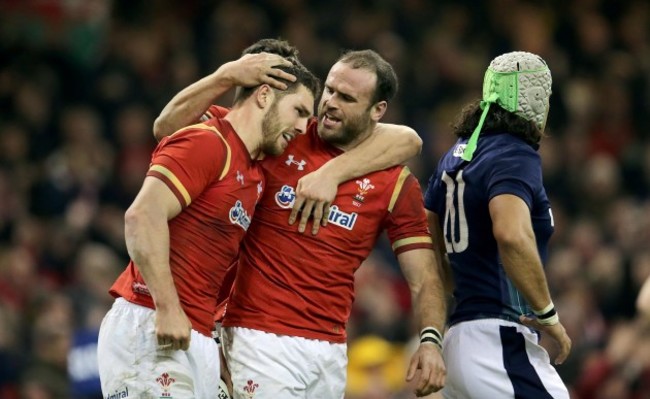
x: 376, y: 369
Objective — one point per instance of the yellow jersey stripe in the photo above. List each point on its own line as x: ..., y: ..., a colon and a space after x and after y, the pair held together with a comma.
x: 398, y: 187
x: 412, y: 240
x: 226, y: 167
x: 174, y: 180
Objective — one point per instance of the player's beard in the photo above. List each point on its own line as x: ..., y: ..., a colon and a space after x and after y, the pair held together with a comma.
x: 349, y: 130
x: 272, y: 131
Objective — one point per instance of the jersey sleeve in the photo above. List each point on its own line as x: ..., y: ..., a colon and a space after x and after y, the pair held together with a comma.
x: 406, y: 223
x: 214, y: 111
x: 517, y: 171
x: 429, y: 195
x: 188, y: 161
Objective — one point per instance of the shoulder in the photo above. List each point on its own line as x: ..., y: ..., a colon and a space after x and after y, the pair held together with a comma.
x: 200, y: 138
x: 506, y: 150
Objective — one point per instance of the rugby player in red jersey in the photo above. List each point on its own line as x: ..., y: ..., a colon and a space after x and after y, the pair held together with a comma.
x: 292, y: 296
x: 182, y: 232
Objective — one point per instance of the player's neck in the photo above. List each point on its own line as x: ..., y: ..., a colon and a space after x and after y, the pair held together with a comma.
x: 248, y: 126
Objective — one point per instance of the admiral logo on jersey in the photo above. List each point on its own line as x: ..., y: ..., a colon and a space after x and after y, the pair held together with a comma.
x: 342, y: 219
x: 121, y: 393
x: 239, y: 216
x: 285, y: 197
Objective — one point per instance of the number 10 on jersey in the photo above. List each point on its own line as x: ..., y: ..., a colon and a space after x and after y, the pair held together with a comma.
x: 455, y: 241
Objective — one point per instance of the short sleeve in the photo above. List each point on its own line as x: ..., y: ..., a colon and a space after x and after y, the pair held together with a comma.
x: 429, y: 196
x: 516, y: 171
x: 406, y: 222
x: 188, y: 161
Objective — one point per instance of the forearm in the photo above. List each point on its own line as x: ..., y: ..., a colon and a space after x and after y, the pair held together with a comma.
x: 429, y: 305
x: 440, y: 250
x: 523, y: 266
x: 427, y: 293
x: 388, y: 146
x: 190, y: 104
x: 147, y: 241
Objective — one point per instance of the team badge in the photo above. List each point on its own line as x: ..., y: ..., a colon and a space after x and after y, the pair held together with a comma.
x: 165, y: 382
x: 249, y: 389
x: 363, y: 187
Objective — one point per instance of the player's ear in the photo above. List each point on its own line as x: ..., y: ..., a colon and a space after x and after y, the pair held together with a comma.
x: 264, y: 96
x: 378, y: 110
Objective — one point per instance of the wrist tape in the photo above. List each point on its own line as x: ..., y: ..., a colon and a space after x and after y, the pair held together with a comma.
x: 431, y: 335
x: 547, y: 316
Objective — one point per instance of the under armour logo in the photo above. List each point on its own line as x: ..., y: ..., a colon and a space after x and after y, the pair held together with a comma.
x: 301, y: 164
x: 240, y: 178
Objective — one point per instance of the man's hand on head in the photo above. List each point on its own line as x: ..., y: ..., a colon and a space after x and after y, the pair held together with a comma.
x: 255, y: 69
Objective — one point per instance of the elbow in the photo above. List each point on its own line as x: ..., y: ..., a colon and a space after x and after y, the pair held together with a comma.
x: 137, y: 218
x: 508, y: 237
x: 160, y: 128
x: 132, y: 217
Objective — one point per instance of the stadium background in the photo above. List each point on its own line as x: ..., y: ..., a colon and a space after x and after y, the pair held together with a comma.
x: 82, y: 80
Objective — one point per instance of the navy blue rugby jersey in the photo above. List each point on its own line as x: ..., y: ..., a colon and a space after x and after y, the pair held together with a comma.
x: 459, y: 193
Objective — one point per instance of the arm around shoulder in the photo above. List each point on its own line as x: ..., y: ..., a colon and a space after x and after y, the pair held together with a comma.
x: 389, y: 145
x: 188, y: 105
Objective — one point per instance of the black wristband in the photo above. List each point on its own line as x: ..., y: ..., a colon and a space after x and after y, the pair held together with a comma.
x: 548, y: 314
x: 431, y: 334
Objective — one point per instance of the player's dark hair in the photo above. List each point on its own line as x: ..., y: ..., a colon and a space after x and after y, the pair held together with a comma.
x: 286, y: 50
x: 386, y: 78
x: 497, y: 120
x: 273, y: 46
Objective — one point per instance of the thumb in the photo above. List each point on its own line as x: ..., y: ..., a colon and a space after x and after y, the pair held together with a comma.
x: 528, y: 321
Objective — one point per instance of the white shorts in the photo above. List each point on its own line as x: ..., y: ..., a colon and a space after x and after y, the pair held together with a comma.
x: 270, y: 366
x: 493, y: 358
x: 131, y: 365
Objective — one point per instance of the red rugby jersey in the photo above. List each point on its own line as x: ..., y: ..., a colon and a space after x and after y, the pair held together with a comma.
x: 211, y: 173
x: 302, y: 285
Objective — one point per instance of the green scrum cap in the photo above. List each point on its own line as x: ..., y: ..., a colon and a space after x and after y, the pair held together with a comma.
x: 518, y: 82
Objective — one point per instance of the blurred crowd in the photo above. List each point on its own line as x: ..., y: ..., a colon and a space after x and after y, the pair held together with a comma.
x: 81, y: 82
